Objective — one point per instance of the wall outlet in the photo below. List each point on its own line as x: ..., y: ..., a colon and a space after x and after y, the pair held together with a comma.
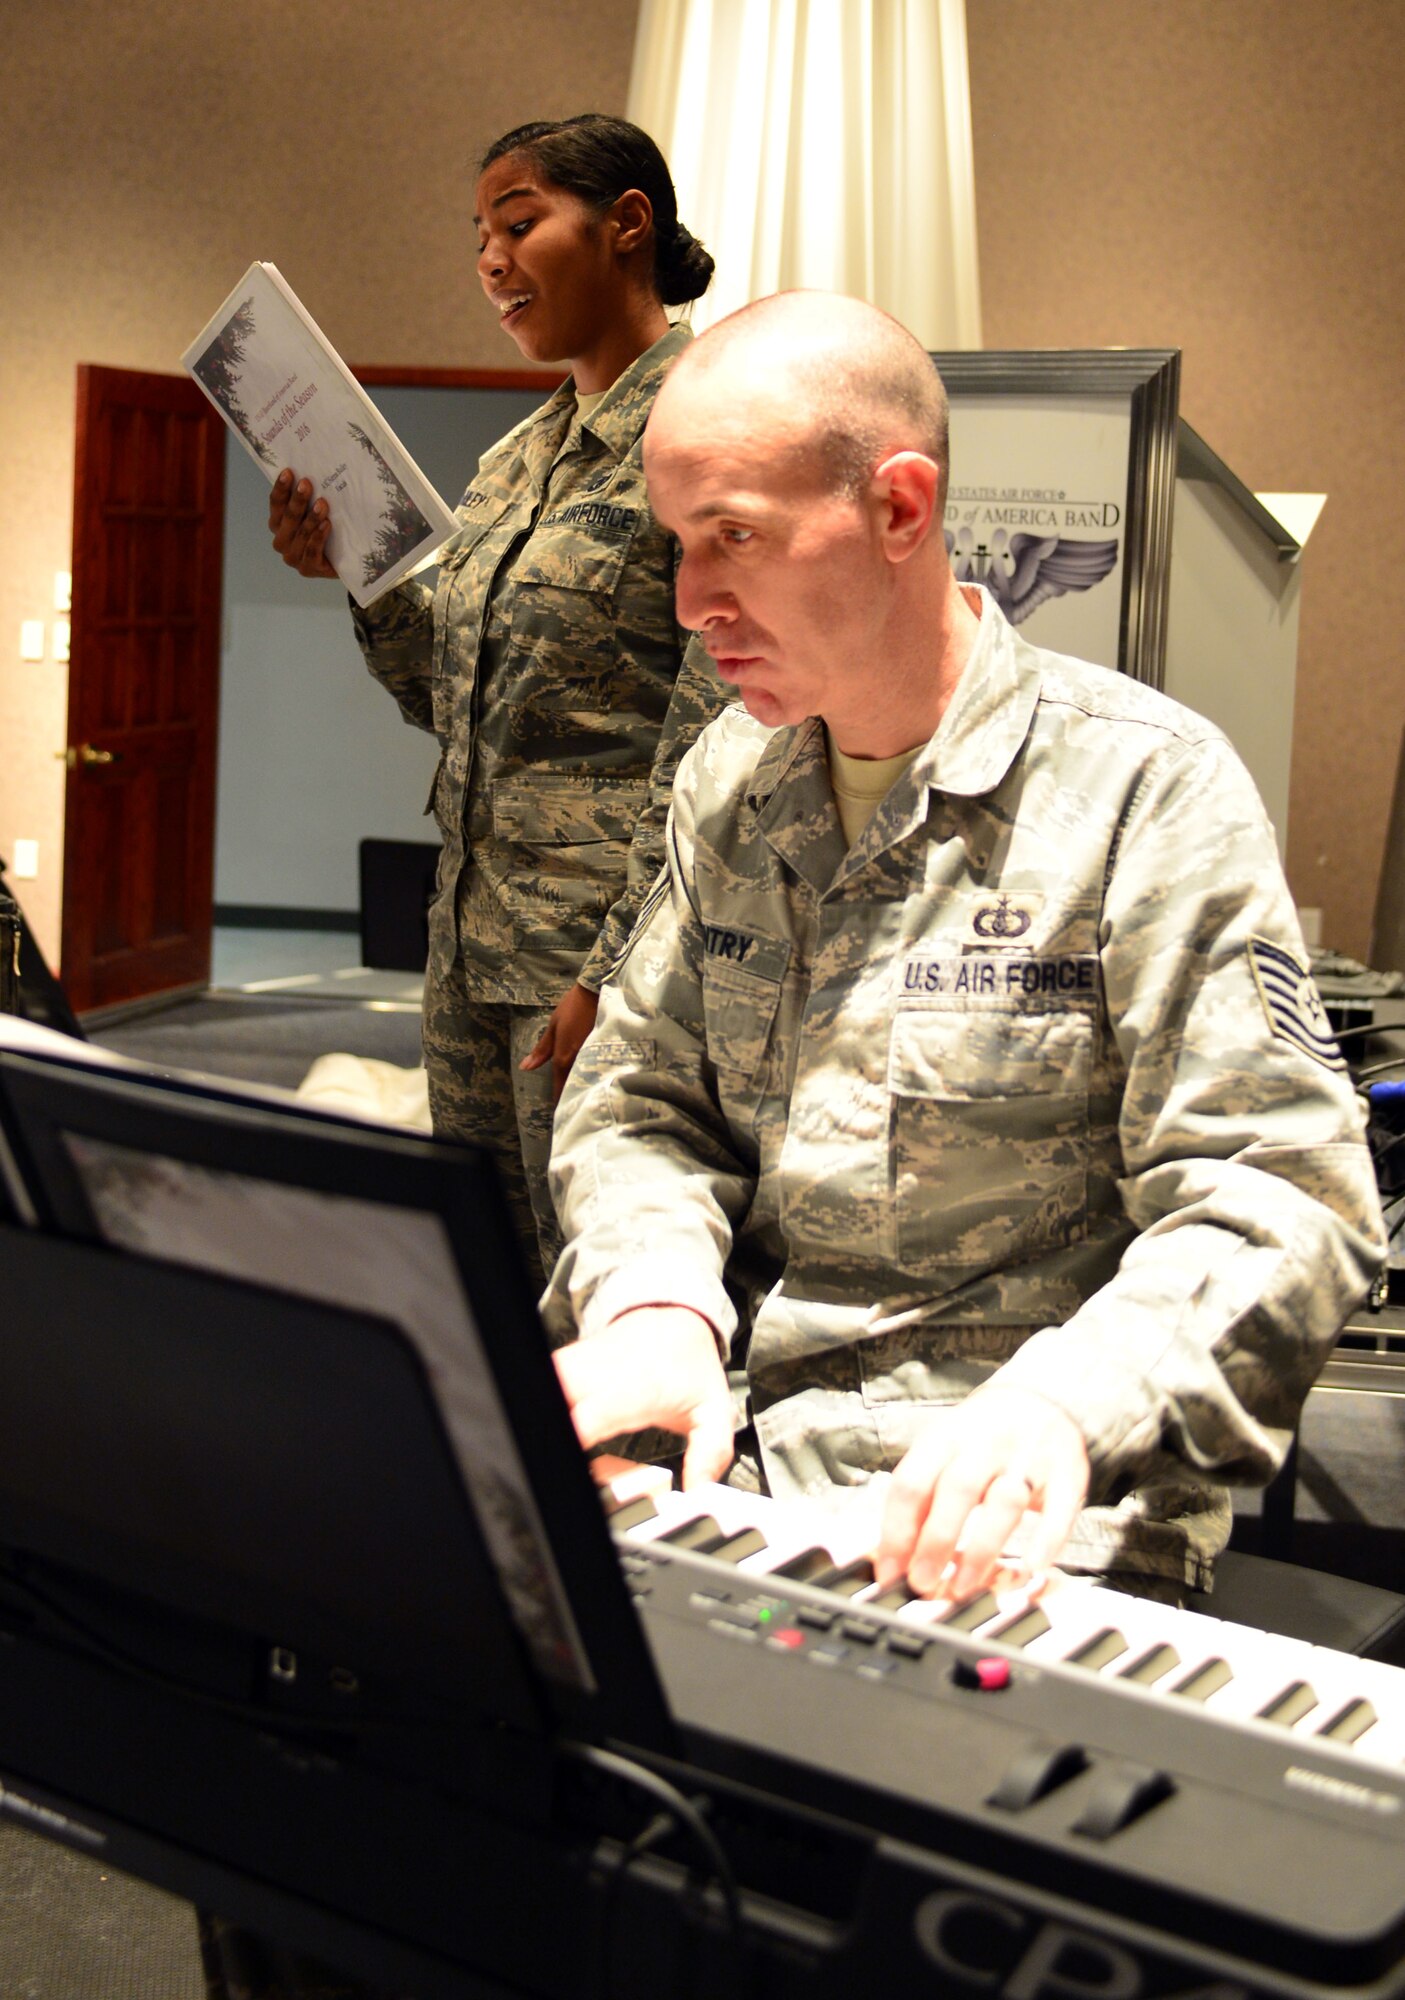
x: 63, y: 590
x: 26, y: 860
x: 32, y: 639
x: 62, y: 633
x: 1311, y: 921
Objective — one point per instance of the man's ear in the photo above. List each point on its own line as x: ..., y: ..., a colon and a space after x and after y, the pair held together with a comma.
x: 631, y: 217
x: 906, y: 487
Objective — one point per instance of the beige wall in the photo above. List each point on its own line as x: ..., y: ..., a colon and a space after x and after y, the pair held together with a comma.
x: 1218, y: 175
x: 148, y: 154
x: 1228, y: 177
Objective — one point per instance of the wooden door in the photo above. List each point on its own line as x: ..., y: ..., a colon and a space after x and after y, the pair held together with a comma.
x: 143, y: 688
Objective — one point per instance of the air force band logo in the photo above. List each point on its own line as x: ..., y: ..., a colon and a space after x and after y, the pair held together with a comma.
x: 1292, y: 1003
x: 1022, y: 571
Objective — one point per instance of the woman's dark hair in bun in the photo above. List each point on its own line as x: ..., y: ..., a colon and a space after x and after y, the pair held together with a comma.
x: 598, y: 158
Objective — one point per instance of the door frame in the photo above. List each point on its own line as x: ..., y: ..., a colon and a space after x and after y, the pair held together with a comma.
x: 377, y: 376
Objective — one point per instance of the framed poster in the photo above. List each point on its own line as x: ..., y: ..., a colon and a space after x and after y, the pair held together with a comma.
x: 1063, y: 470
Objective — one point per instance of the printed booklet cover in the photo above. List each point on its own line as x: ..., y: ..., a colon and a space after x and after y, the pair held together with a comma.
x: 284, y: 391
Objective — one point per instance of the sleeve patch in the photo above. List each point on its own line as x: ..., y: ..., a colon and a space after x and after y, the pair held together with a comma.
x: 1292, y: 1003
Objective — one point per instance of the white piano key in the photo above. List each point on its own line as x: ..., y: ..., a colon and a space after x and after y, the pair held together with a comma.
x: 1261, y: 1667
x: 1261, y: 1664
x: 1267, y: 1664
x: 1351, y: 1678
x: 1078, y: 1611
x: 793, y: 1529
x: 789, y: 1527
x: 725, y: 1507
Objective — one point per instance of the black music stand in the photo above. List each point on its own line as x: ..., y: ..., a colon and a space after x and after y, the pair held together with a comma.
x: 295, y: 1535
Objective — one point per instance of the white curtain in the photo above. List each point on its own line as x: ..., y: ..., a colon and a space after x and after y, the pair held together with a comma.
x: 822, y: 144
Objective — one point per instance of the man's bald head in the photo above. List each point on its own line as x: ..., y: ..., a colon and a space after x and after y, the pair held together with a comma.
x: 842, y: 382
x: 797, y: 451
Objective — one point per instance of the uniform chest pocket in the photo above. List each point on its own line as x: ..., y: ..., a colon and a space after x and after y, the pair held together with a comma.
x: 571, y: 561
x: 564, y: 589
x: 740, y: 998
x: 990, y: 1132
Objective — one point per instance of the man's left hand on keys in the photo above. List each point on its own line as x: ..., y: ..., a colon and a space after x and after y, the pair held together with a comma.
x: 976, y: 1472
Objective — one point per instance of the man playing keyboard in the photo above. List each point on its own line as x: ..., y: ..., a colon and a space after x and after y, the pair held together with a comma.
x: 961, y: 1108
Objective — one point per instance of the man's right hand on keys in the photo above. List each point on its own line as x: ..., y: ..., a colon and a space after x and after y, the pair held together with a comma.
x: 657, y: 1365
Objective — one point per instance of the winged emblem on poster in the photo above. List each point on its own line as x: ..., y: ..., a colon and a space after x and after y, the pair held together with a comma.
x: 1021, y: 571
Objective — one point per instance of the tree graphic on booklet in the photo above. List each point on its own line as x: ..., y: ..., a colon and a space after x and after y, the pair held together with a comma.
x: 402, y: 527
x: 219, y: 368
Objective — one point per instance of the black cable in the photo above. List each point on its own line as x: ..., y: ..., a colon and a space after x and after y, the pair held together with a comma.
x: 1379, y: 1069
x: 1365, y: 1033
x: 659, y: 1828
x: 677, y: 1808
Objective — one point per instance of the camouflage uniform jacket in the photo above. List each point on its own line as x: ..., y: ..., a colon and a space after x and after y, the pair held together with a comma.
x: 1032, y: 1076
x: 548, y: 662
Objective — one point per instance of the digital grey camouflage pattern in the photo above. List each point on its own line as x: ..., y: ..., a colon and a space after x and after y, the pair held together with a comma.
x: 479, y: 1090
x: 548, y: 662
x: 996, y: 1088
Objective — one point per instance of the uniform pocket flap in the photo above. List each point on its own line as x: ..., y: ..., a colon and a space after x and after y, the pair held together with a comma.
x: 563, y: 555
x: 547, y: 810
x: 740, y: 1006
x: 729, y: 948
x: 989, y: 1052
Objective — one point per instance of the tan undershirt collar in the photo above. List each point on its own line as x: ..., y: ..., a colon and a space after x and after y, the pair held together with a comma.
x: 861, y: 784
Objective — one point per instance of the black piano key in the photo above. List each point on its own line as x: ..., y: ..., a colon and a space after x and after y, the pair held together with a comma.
x: 1350, y: 1722
x: 893, y: 1598
x: 702, y: 1535
x: 1151, y: 1666
x: 1203, y: 1681
x: 976, y: 1611
x: 1024, y: 1628
x: 1289, y: 1705
x: 1098, y: 1650
x: 847, y: 1580
x: 630, y: 1513
x: 736, y: 1548
x: 805, y: 1567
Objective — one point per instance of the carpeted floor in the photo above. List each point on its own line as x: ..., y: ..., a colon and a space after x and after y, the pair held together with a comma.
x: 266, y: 1038
x: 71, y: 1929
